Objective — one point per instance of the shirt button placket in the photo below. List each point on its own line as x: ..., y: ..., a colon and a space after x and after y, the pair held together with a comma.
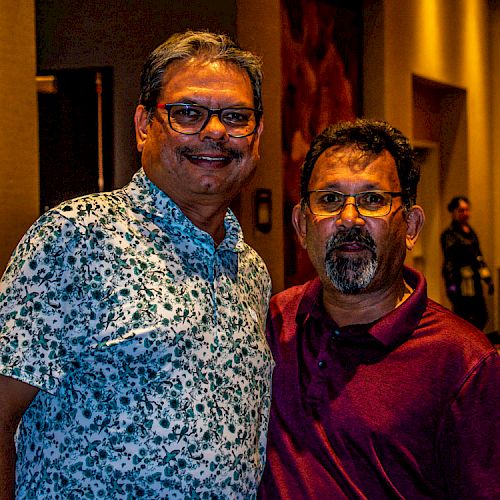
x: 335, y: 335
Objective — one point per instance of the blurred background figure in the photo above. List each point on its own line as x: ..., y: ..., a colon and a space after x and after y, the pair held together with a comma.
x: 464, y: 267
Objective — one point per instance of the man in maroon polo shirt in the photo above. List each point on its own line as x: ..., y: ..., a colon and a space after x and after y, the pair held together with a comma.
x: 378, y: 391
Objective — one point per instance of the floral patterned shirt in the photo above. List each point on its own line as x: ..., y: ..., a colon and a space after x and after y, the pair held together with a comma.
x: 147, y: 343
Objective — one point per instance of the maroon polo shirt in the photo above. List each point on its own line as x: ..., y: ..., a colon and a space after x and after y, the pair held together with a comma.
x: 405, y: 407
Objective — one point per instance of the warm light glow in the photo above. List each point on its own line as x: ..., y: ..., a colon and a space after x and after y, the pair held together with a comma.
x: 474, y: 42
x: 429, y: 36
x: 475, y: 55
x: 46, y: 84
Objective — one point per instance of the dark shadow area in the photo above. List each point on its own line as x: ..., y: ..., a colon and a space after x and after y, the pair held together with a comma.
x: 76, y: 135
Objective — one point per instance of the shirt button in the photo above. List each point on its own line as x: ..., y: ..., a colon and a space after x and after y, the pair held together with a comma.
x: 335, y: 335
x: 322, y: 364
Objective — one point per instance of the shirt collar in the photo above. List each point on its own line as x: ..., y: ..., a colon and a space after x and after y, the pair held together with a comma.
x: 150, y: 201
x: 458, y: 227
x: 390, y: 330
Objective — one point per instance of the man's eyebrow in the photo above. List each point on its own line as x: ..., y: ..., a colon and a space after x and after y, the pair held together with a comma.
x: 191, y: 100
x: 337, y: 187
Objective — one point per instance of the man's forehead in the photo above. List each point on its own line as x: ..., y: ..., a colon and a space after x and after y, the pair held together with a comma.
x: 218, y: 65
x: 350, y: 164
x: 213, y: 83
x: 353, y: 157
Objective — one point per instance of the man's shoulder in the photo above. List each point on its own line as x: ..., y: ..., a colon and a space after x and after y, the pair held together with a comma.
x: 446, y: 230
x: 449, y: 232
x: 254, y: 271
x: 251, y: 254
x: 252, y: 258
x: 292, y: 293
x: 89, y: 206
x: 443, y: 327
x: 444, y: 320
x: 288, y: 301
x: 67, y: 225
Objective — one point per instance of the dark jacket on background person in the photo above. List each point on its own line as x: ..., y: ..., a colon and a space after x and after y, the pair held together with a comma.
x: 463, y: 270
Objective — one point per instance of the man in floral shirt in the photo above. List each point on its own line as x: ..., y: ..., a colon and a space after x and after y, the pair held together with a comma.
x: 131, y: 323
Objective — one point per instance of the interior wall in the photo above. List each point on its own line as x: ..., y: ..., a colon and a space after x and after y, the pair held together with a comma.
x: 121, y: 35
x: 426, y: 255
x: 495, y: 133
x: 439, y: 129
x: 259, y: 29
x: 440, y: 115
x: 18, y: 123
x: 446, y: 41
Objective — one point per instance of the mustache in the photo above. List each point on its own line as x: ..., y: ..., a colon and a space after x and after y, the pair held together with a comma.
x: 234, y: 154
x: 354, y: 235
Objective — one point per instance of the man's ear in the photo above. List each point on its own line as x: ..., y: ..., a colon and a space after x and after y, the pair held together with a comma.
x: 141, y: 126
x: 415, y: 219
x: 300, y: 224
x: 256, y: 139
x: 260, y: 127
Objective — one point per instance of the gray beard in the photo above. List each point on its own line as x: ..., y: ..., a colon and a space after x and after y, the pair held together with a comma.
x: 350, y: 275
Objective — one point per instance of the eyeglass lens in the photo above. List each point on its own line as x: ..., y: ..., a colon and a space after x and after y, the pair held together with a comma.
x: 369, y: 203
x: 191, y: 119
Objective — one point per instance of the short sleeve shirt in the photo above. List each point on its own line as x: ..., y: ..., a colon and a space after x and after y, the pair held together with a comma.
x: 407, y: 406
x: 147, y: 343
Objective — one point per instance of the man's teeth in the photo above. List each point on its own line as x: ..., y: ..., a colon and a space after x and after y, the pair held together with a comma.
x: 209, y: 158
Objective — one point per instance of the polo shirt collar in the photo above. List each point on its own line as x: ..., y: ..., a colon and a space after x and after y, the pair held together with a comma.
x: 156, y: 205
x: 390, y: 330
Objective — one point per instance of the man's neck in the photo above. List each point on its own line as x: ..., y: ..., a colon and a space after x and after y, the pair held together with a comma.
x: 208, y: 219
x: 365, y: 307
x: 205, y: 211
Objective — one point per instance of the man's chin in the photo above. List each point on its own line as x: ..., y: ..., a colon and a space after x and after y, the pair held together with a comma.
x: 351, y: 276
x: 349, y: 288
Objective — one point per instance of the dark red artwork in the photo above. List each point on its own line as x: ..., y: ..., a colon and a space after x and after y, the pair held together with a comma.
x: 321, y: 54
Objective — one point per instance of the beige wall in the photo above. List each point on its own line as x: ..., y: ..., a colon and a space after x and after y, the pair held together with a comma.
x: 494, y: 219
x: 258, y: 29
x: 445, y: 41
x: 18, y: 124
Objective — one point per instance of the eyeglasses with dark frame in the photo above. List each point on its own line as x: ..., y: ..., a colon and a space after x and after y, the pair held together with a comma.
x: 327, y: 203
x: 191, y: 119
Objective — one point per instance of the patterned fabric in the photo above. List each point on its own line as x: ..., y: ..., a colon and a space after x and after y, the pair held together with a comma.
x: 148, y: 345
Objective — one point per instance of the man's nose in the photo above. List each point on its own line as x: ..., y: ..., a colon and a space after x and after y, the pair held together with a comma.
x: 349, y: 215
x: 214, y: 129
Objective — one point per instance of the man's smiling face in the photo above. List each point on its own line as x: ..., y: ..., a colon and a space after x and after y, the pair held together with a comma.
x: 208, y: 165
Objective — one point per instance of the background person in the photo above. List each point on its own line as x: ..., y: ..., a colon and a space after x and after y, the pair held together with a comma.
x: 464, y: 268
x: 378, y: 392
x: 132, y: 323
